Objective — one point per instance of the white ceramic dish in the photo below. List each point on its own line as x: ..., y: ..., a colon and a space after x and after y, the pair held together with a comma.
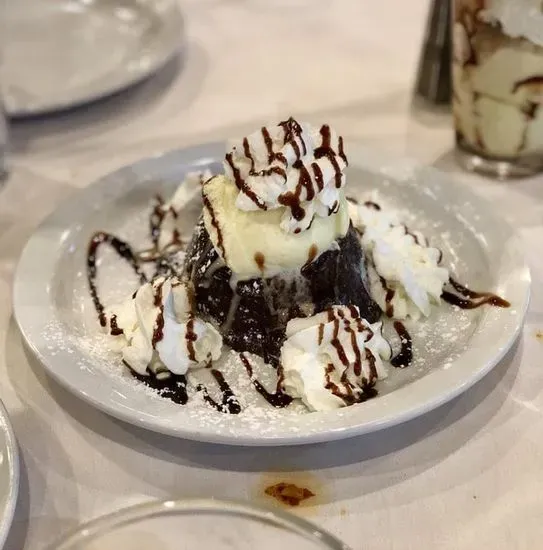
x: 63, y: 53
x: 453, y: 349
x: 9, y: 474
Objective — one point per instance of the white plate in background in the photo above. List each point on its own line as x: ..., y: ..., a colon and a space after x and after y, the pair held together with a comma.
x: 60, y: 54
x: 453, y: 349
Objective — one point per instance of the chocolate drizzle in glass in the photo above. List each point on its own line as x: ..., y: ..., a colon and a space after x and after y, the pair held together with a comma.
x: 470, y: 299
x: 531, y: 81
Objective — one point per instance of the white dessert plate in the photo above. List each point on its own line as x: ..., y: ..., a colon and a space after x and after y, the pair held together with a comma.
x: 9, y: 474
x: 453, y: 349
x: 63, y: 53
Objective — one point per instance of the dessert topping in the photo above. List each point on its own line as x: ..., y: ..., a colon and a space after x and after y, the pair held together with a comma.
x: 292, y: 165
x: 333, y: 359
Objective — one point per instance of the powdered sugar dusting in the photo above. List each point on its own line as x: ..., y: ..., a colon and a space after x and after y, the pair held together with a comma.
x: 437, y: 341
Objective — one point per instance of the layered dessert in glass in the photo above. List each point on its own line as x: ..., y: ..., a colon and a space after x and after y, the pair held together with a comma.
x: 498, y: 85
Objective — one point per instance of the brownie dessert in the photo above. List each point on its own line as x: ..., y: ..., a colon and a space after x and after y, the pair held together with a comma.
x: 252, y: 314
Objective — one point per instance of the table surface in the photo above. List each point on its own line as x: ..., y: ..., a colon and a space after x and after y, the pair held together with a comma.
x: 466, y: 476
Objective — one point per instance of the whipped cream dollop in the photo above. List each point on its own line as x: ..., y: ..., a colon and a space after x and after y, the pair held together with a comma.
x: 518, y: 18
x: 167, y: 213
x: 292, y: 166
x: 333, y: 359
x: 156, y: 330
x: 403, y: 269
x: 252, y: 244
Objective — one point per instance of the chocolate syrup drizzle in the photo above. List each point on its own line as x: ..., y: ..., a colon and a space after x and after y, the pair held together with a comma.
x: 470, y: 299
x: 172, y: 386
x: 216, y: 225
x: 123, y: 250
x: 347, y: 392
x: 229, y: 403
x: 279, y: 399
x: 405, y: 356
x: 532, y: 80
x: 293, y: 137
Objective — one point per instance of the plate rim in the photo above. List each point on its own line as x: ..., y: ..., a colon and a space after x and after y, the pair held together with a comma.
x: 12, y: 448
x: 172, y: 26
x: 210, y: 152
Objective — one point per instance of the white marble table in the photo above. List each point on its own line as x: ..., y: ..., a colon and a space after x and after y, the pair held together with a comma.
x: 467, y: 476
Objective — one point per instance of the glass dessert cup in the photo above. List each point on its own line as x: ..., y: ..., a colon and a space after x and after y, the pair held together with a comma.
x: 497, y: 96
x: 198, y: 524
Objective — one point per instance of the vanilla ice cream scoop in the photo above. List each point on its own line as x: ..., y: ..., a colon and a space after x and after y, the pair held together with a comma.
x: 156, y: 330
x: 292, y: 166
x: 252, y: 243
x: 333, y: 358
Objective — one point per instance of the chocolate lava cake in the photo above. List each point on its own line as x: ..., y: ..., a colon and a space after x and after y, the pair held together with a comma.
x: 275, y: 239
x: 252, y: 314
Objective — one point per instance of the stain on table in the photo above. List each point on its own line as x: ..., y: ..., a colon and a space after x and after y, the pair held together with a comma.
x: 289, y: 493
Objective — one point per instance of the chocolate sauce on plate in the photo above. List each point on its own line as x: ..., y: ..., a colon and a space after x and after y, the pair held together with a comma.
x: 229, y: 402
x: 279, y: 399
x: 389, y: 296
x: 173, y: 387
x: 155, y: 220
x: 405, y: 356
x: 123, y: 250
x: 470, y: 299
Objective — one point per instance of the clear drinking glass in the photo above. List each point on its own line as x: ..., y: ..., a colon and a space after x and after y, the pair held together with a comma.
x: 3, y: 142
x: 199, y: 524
x: 3, y: 117
x: 497, y: 75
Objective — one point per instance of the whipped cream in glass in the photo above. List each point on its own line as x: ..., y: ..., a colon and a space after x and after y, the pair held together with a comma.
x: 498, y: 85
